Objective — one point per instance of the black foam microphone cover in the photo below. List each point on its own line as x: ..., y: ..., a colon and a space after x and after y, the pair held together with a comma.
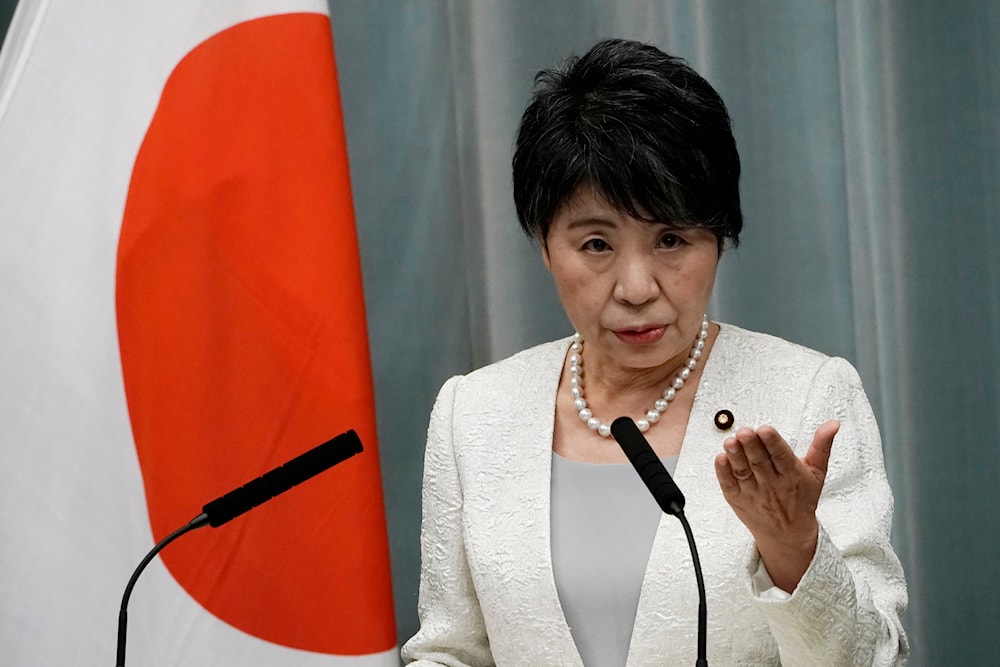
x: 277, y: 481
x: 648, y: 465
x: 670, y: 499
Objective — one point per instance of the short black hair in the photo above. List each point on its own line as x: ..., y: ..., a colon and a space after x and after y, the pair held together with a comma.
x: 642, y: 128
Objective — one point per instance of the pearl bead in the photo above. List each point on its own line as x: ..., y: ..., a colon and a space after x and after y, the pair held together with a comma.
x: 652, y: 416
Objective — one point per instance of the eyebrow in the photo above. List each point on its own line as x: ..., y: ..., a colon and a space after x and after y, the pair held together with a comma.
x: 588, y: 220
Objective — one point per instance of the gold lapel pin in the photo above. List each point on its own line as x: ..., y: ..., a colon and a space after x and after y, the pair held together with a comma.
x: 724, y: 420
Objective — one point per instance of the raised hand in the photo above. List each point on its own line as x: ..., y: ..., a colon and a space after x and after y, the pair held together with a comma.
x: 774, y: 494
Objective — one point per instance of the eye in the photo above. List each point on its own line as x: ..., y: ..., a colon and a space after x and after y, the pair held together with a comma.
x: 671, y: 240
x: 596, y: 245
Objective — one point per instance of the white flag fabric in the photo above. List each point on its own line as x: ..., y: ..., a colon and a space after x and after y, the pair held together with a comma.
x: 180, y: 311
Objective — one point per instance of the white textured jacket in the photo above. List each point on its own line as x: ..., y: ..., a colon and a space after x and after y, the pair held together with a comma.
x: 487, y: 593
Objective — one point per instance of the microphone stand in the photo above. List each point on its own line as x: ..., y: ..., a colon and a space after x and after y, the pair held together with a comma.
x: 243, y: 499
x: 197, y: 522
x: 702, y: 660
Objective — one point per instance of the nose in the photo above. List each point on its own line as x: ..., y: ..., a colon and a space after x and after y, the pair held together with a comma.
x: 636, y: 283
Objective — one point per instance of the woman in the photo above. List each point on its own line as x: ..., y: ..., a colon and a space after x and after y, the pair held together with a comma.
x: 540, y: 545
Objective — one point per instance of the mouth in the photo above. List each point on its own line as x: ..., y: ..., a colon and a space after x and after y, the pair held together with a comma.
x: 641, y: 335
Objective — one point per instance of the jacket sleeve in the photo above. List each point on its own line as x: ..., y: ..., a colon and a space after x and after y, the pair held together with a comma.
x: 846, y: 609
x: 452, y: 631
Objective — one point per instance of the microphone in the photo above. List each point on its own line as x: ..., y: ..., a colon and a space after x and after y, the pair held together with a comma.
x: 302, y: 467
x: 243, y: 499
x: 670, y: 499
x: 648, y: 465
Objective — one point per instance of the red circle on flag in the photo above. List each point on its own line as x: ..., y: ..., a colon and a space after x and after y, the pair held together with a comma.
x: 243, y: 338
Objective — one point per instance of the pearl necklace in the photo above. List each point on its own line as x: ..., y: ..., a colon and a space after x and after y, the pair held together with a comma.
x: 661, y: 405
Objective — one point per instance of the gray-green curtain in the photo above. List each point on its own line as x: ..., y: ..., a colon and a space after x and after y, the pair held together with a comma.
x: 870, y: 136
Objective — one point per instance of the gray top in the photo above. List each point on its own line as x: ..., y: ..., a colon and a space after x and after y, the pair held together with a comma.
x: 603, y: 524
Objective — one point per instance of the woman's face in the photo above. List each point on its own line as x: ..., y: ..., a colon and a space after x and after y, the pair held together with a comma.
x: 635, y: 291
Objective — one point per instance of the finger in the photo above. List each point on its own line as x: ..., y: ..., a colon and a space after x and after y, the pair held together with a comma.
x: 757, y: 455
x: 782, y: 457
x: 724, y: 472
x: 737, y: 458
x: 818, y: 456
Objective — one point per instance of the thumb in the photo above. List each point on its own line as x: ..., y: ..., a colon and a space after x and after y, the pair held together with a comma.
x: 818, y: 456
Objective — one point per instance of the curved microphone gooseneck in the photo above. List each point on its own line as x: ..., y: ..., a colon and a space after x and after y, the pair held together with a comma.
x: 669, y: 498
x: 245, y: 498
x: 197, y: 522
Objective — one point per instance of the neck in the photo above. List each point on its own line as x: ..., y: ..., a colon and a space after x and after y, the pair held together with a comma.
x: 624, y: 381
x: 614, y: 394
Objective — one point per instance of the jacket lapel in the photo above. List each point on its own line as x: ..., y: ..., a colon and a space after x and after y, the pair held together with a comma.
x: 530, y: 472
x: 666, y: 624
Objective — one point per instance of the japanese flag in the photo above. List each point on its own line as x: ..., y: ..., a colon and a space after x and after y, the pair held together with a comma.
x: 181, y: 310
